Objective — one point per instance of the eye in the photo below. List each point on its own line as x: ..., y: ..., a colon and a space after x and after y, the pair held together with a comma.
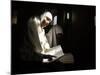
x: 48, y: 19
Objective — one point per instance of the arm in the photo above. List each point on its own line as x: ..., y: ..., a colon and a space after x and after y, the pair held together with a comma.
x: 34, y: 40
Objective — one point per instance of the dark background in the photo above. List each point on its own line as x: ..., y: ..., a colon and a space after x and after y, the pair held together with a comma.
x: 79, y: 30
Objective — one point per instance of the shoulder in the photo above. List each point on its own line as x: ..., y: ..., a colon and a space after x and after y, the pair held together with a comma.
x: 36, y: 20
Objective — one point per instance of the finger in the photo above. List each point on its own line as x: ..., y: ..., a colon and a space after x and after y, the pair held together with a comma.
x: 53, y: 56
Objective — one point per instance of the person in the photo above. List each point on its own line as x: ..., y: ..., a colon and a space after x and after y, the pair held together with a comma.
x: 31, y: 53
x: 35, y: 42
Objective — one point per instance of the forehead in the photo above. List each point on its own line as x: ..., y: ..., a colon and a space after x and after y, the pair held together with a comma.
x: 48, y: 18
x: 48, y: 15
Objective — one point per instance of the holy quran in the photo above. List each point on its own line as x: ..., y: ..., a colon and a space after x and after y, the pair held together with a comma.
x: 55, y: 51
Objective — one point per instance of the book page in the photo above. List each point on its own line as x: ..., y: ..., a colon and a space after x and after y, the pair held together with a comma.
x: 55, y: 51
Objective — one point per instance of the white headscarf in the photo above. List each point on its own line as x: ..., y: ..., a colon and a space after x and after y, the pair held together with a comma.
x: 46, y: 14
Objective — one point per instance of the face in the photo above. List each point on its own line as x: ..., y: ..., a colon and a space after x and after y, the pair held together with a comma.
x: 45, y: 22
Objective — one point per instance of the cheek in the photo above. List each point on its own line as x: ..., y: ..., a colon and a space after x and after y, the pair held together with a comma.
x: 47, y: 22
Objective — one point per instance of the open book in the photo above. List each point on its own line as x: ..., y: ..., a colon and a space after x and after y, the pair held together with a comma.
x: 55, y: 51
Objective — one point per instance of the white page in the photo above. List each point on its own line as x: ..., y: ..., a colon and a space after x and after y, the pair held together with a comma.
x: 55, y: 51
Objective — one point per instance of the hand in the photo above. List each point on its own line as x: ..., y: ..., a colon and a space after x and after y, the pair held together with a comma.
x: 49, y: 57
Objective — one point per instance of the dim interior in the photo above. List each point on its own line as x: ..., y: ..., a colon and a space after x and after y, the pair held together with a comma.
x: 77, y: 23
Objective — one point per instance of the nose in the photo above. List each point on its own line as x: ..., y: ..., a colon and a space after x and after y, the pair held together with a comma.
x: 47, y: 22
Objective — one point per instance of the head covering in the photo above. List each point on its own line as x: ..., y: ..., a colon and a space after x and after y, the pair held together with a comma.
x: 46, y: 14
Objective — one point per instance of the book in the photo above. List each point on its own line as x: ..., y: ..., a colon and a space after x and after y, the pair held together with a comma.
x: 55, y: 51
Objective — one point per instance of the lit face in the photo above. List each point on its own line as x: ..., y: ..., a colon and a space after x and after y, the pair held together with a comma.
x: 45, y: 22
